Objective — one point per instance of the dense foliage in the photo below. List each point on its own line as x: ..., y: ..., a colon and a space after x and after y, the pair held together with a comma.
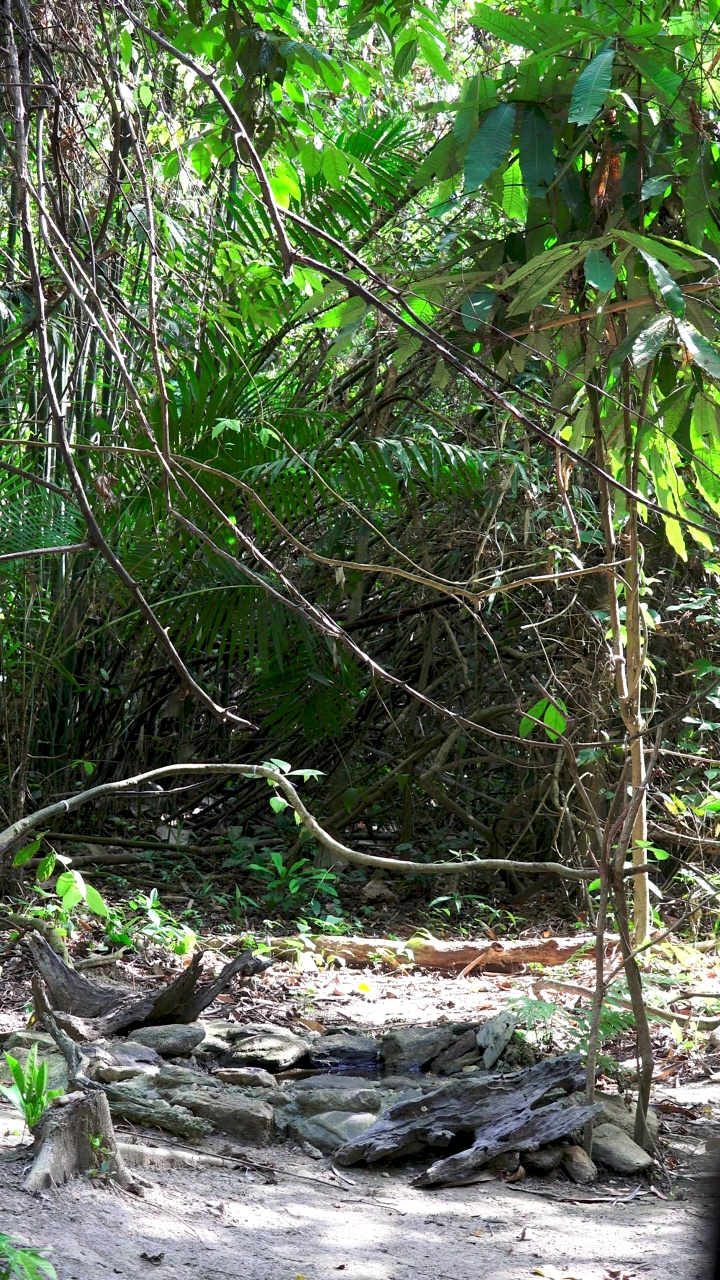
x: 360, y: 409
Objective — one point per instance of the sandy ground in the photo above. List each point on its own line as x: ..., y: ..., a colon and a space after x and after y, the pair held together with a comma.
x: 245, y: 1225
x: 307, y: 1223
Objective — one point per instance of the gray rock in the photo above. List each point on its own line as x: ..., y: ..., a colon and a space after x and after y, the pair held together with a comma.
x: 216, y: 1039
x: 446, y: 1060
x: 613, y: 1148
x: 544, y: 1160
x: 330, y: 1129
x: 115, y: 1061
x: 173, y: 1077
x: 314, y: 1101
x: 26, y: 1039
x: 175, y: 1039
x: 345, y: 1051
x: 273, y: 1048
x: 142, y: 1105
x: 410, y: 1048
x: 579, y: 1167
x: 494, y: 1036
x: 622, y: 1114
x: 246, y: 1077
x: 229, y: 1111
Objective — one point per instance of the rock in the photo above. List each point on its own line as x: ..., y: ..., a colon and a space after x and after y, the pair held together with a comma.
x: 469, y: 1062
x: 273, y: 1048
x: 544, y: 1160
x: 345, y: 1051
x: 445, y: 1060
x: 246, y: 1077
x: 314, y: 1101
x: 378, y: 890
x: 175, y: 1039
x: 578, y: 1166
x: 216, y: 1039
x: 507, y: 1162
x: 616, y: 1111
x: 26, y: 1040
x: 519, y: 1053
x: 613, y: 1148
x: 112, y: 1061
x: 714, y: 1039
x: 330, y: 1129
x: 145, y: 1107
x: 229, y: 1111
x: 494, y: 1036
x: 411, y: 1048
x: 173, y: 1077
x: 309, y: 1150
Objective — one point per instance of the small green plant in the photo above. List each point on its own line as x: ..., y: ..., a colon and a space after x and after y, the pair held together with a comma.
x: 153, y: 923
x: 29, y: 1093
x: 293, y: 886
x: 103, y: 1154
x: 21, y: 1262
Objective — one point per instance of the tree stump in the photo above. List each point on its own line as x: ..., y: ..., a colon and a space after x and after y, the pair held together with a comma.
x: 65, y: 1149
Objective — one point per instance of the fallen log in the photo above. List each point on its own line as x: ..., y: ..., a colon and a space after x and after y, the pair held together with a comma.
x: 87, y: 1010
x: 517, y: 1112
x: 449, y: 957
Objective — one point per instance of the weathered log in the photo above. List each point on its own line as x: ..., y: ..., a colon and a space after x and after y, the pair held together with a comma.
x: 496, y: 957
x: 85, y: 1010
x: 503, y: 1113
x: 78, y: 1138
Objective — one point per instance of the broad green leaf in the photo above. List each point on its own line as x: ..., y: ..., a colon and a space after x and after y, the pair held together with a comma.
x: 95, y: 901
x: 311, y: 159
x: 335, y: 167
x: 71, y: 897
x: 126, y: 48
x: 508, y: 28
x: 649, y: 341
x: 437, y: 162
x: 27, y: 852
x: 548, y: 269
x: 514, y: 197
x: 278, y: 803
x: 668, y: 490
x: 404, y: 58
x: 661, y: 77
x: 680, y: 257
x: 434, y: 58
x: 705, y: 444
x: 656, y: 186
x: 537, y: 159
x: 201, y: 160
x: 599, y: 271
x: 477, y: 307
x: 555, y: 722
x: 529, y: 722
x: 592, y: 88
x: 490, y: 145
x: 669, y: 290
x: 702, y: 352
x: 46, y: 868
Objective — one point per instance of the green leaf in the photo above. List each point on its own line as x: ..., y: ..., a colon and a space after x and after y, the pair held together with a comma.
x: 647, y: 344
x: 126, y: 48
x: 278, y: 803
x: 506, y: 27
x: 434, y: 58
x: 404, y: 58
x: 335, y: 167
x: 311, y: 159
x: 702, y: 352
x: 201, y: 160
x: 95, y: 901
x: 477, y: 307
x: 592, y: 88
x: 490, y: 145
x: 669, y: 290
x: 514, y: 196
x: 46, y: 868
x: 528, y: 722
x: 537, y: 158
x: 27, y: 852
x: 555, y: 722
x: 656, y: 186
x: 599, y: 271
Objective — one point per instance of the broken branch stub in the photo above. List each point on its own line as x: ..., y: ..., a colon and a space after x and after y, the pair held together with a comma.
x: 87, y: 1011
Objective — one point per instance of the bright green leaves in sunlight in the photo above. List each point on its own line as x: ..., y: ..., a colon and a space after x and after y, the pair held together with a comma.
x: 592, y: 88
x: 490, y: 145
x: 702, y: 352
x: 545, y: 714
x: 670, y: 292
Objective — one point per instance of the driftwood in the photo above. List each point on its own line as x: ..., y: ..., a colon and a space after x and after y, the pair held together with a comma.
x: 78, y: 1138
x: 496, y: 957
x: 87, y: 1010
x: 518, y: 1112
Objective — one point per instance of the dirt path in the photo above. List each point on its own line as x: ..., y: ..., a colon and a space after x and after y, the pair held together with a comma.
x: 237, y: 1225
